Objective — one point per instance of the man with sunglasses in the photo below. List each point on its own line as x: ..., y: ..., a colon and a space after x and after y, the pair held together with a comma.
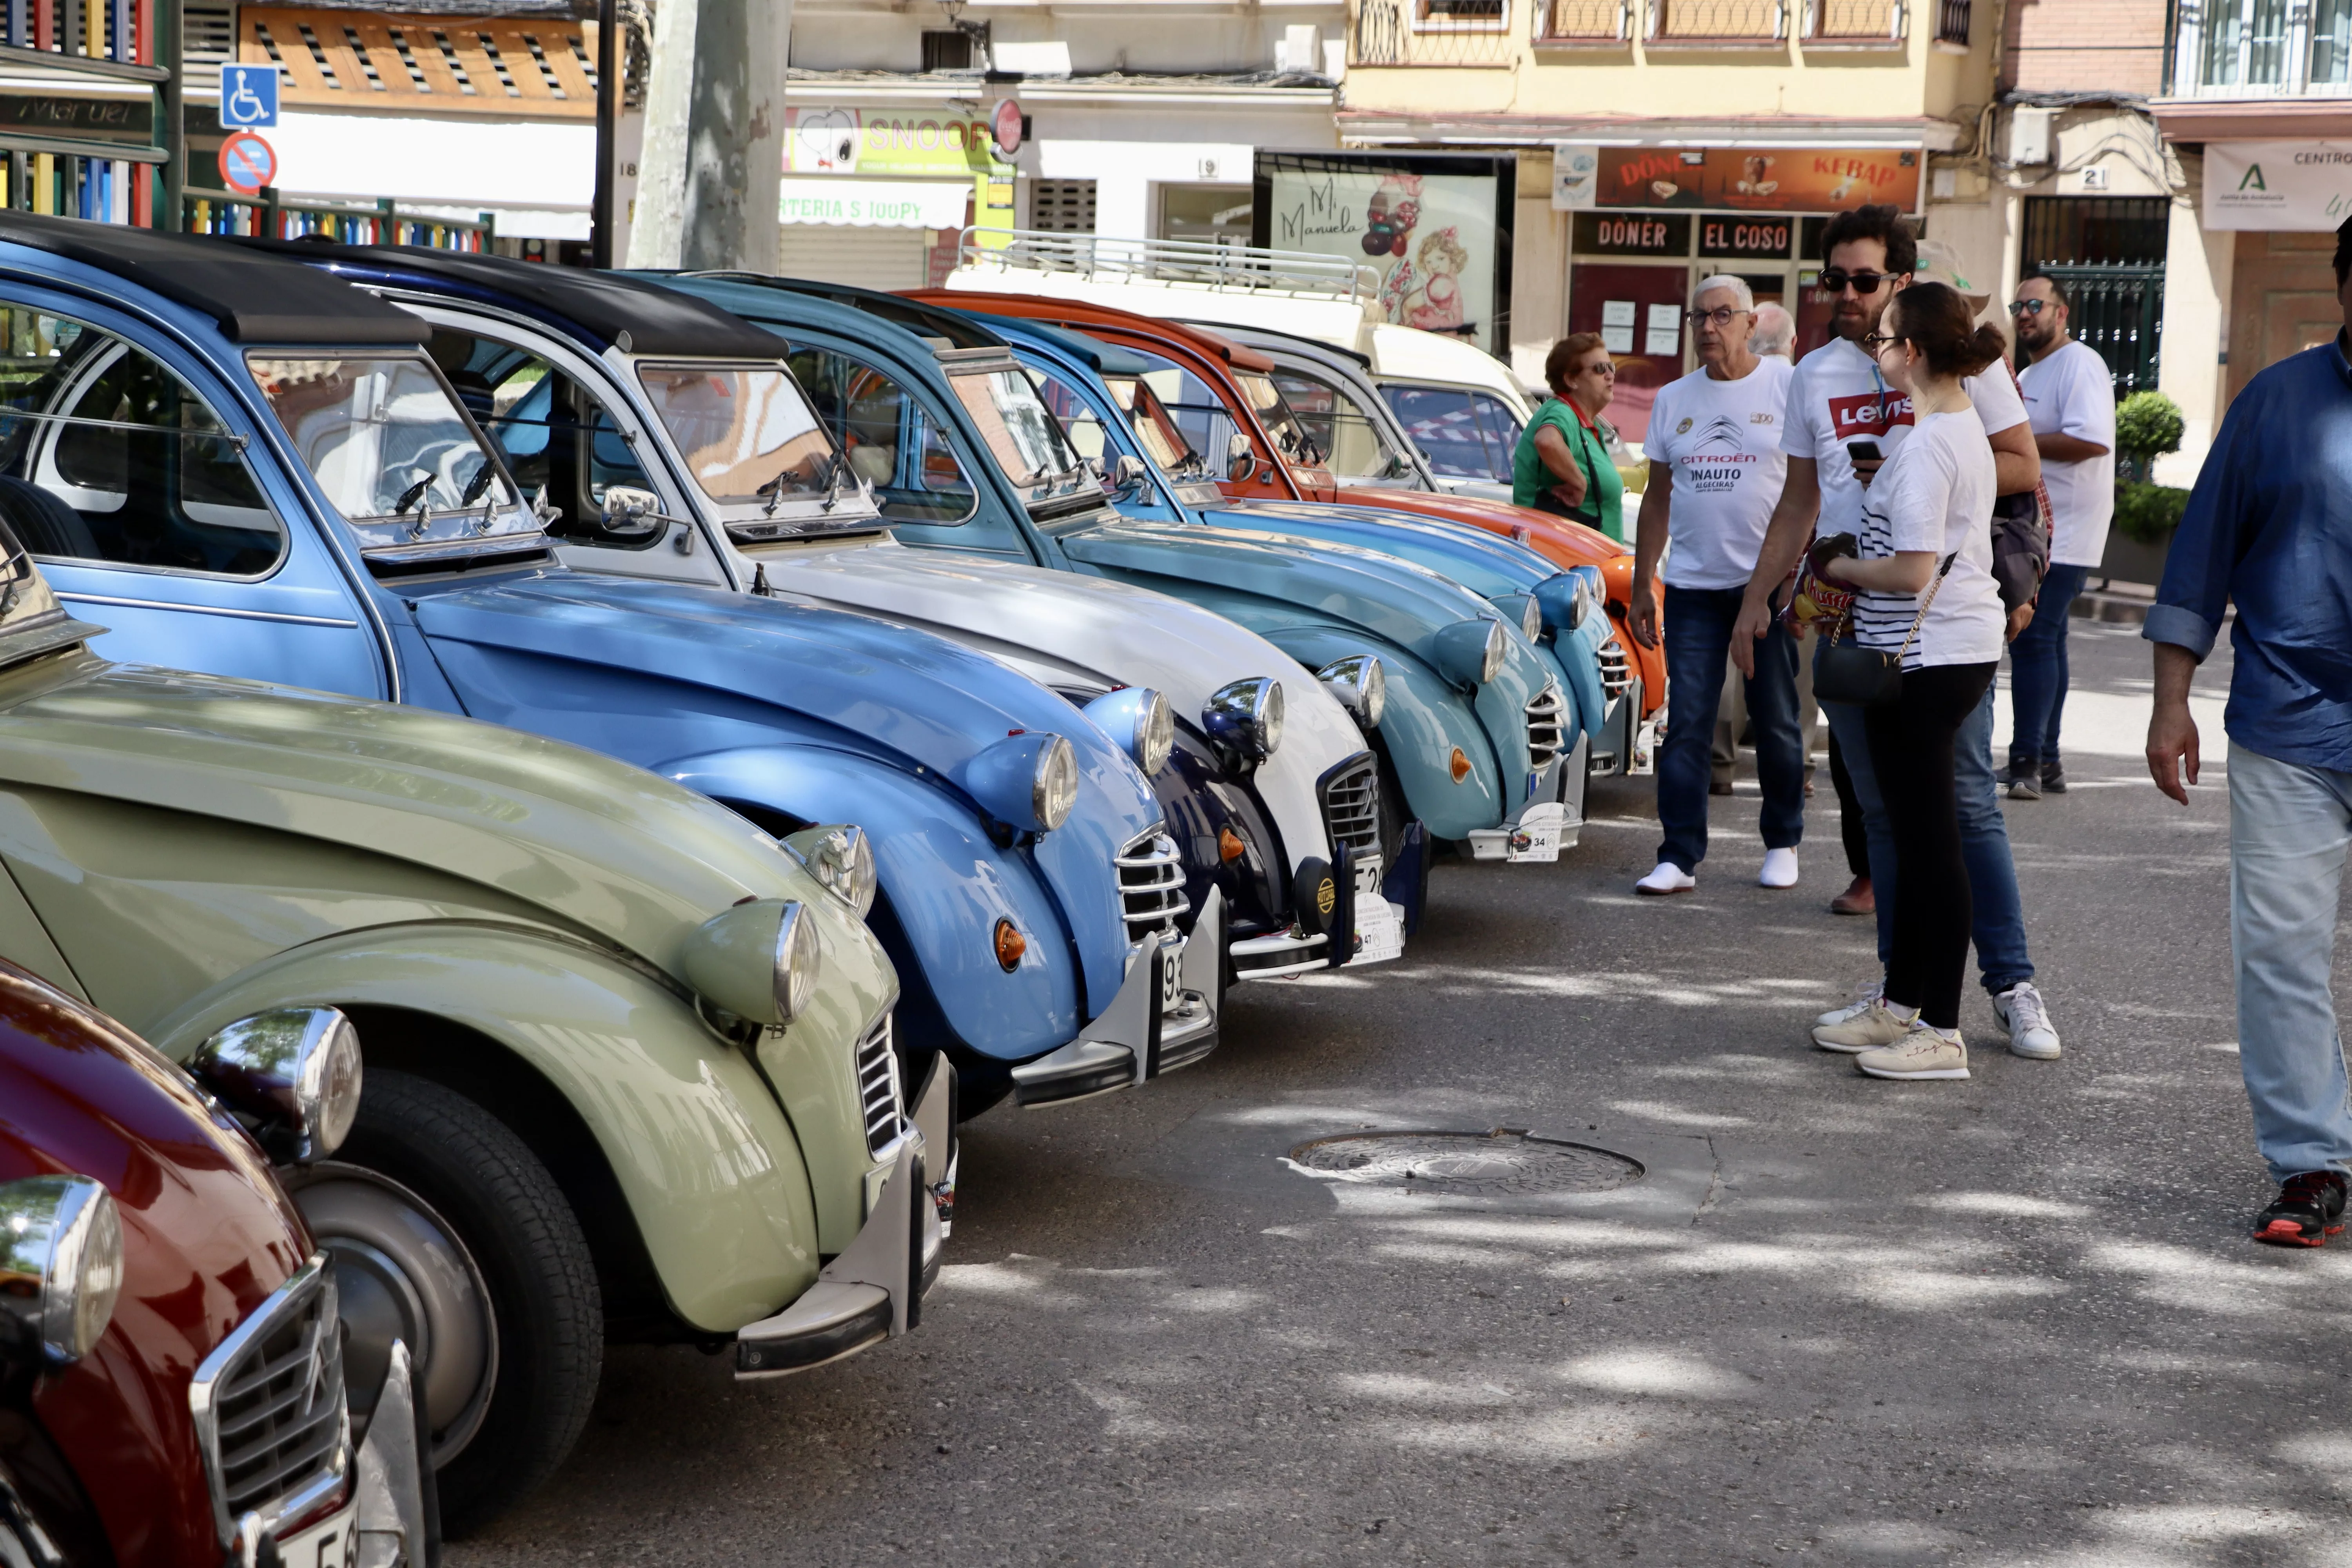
x: 1838, y: 403
x: 2069, y: 400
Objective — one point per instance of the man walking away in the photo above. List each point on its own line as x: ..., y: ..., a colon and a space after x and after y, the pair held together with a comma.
x: 1715, y: 467
x: 2266, y: 527
x: 2070, y: 401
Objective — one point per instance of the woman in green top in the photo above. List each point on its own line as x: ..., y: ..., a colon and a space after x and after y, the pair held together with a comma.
x: 1562, y: 465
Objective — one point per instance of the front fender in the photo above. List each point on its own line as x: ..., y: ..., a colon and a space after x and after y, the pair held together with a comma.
x: 705, y: 1157
x: 946, y: 883
x: 1425, y: 720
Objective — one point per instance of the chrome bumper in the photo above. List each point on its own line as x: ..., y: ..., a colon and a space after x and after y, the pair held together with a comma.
x: 390, y: 1476
x: 1164, y: 1017
x: 1295, y: 952
x: 1541, y: 830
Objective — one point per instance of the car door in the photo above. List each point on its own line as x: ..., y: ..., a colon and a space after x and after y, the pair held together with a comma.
x: 141, y: 497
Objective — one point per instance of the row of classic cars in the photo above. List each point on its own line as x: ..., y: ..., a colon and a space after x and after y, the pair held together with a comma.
x: 532, y: 802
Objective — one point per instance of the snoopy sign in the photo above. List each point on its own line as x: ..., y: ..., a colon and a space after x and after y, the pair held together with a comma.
x: 248, y: 97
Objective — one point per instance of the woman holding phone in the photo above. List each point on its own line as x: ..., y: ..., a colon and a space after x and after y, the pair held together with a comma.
x: 1562, y: 465
x: 1926, y: 598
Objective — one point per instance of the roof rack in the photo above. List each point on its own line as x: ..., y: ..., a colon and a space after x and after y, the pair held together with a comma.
x: 1238, y: 266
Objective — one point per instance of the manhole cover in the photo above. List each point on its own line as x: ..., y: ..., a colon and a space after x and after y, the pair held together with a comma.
x: 1466, y: 1162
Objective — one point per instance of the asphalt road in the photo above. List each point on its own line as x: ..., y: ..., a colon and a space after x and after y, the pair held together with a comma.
x: 2005, y: 1321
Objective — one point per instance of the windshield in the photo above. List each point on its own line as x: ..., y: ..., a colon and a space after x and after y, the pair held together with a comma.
x: 1156, y: 429
x: 1280, y: 422
x: 1465, y: 434
x: 746, y: 432
x: 1353, y: 441
x: 1021, y: 433
x: 391, y: 448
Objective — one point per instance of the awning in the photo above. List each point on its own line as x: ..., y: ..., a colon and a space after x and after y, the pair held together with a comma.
x: 874, y: 204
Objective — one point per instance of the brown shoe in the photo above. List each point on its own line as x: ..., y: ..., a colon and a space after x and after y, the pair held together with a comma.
x: 1718, y: 787
x: 1857, y: 900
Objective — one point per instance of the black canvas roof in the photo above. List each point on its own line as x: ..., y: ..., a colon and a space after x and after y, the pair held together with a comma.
x: 658, y: 321
x: 255, y: 299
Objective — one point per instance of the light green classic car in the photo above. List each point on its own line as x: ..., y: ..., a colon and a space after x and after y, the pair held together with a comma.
x: 626, y: 1060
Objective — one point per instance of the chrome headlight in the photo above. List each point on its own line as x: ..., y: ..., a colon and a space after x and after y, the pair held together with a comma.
x: 1244, y: 717
x: 1523, y: 609
x: 1139, y: 721
x: 1362, y: 685
x: 60, y: 1265
x: 757, y: 961
x: 1027, y: 782
x: 841, y: 858
x: 1566, y: 600
x: 1471, y: 652
x: 294, y: 1072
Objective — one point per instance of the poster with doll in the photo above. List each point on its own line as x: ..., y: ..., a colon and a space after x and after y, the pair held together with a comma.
x: 1430, y: 237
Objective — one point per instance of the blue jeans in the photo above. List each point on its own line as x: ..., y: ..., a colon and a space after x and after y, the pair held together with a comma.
x: 1997, y: 925
x: 2037, y: 673
x: 1699, y: 623
x: 2289, y: 826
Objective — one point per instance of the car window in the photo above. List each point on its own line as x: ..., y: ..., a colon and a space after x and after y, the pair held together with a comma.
x: 1081, y: 426
x: 1023, y: 436
x: 746, y: 433
x: 106, y: 455
x: 1199, y: 414
x: 1355, y: 442
x: 1282, y: 423
x: 1465, y: 434
x: 552, y: 431
x: 889, y: 439
x: 1156, y: 430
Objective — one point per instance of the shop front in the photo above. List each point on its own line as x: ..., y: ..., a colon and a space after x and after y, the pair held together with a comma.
x: 2281, y: 203
x: 881, y: 196
x: 1646, y: 223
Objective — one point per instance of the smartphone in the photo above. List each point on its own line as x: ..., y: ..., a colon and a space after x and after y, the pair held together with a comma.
x: 1863, y: 451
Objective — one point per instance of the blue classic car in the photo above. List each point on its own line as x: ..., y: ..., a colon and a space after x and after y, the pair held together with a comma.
x: 1475, y: 731
x: 253, y: 469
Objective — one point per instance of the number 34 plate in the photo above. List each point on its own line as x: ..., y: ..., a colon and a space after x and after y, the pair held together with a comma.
x: 1535, y: 836
x: 332, y: 1542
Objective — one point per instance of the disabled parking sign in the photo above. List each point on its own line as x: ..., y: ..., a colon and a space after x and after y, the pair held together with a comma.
x: 248, y: 97
x: 247, y: 164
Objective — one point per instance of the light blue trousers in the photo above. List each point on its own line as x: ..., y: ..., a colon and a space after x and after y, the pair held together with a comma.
x: 2289, y: 828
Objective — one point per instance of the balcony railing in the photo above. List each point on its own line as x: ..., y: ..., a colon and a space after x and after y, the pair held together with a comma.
x: 1435, y: 32
x: 1588, y: 21
x: 1856, y: 22
x: 2262, y: 48
x: 1718, y: 22
x: 1952, y: 21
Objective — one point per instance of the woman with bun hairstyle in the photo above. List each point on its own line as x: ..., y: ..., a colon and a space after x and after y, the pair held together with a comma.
x: 1563, y: 464
x: 1926, y: 594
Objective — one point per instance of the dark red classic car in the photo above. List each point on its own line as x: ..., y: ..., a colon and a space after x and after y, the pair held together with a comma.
x: 170, y: 1370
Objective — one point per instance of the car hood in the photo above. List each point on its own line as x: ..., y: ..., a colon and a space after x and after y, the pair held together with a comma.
x: 850, y: 680
x: 599, y: 847
x: 1484, y: 563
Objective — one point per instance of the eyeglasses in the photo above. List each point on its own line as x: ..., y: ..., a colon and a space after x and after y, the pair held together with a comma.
x: 1833, y: 281
x: 2026, y: 307
x: 1603, y: 369
x: 1721, y: 316
x: 1874, y: 342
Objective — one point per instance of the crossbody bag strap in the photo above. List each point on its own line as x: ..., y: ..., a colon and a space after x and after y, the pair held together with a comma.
x: 1920, y: 619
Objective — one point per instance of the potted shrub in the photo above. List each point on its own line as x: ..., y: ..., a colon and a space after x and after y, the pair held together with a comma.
x: 2148, y: 426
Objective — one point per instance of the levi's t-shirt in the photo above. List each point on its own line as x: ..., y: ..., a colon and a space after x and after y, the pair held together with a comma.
x: 1721, y: 441
x: 1935, y: 495
x: 1838, y: 395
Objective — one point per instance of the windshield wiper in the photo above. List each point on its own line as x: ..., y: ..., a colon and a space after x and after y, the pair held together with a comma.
x: 412, y: 495
x: 479, y: 483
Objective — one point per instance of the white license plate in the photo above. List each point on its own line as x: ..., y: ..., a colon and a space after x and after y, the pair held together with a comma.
x: 1380, y: 931
x: 1172, y: 976
x: 332, y: 1542
x: 1535, y: 836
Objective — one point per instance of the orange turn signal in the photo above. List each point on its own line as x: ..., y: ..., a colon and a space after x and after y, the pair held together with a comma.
x: 1230, y: 846
x: 1459, y: 766
x: 1010, y: 945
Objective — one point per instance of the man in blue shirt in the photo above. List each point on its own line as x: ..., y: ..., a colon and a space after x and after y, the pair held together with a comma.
x: 2270, y: 526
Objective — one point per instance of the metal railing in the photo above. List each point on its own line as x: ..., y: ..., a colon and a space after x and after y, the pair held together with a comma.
x: 1952, y: 21
x: 1435, y: 32
x: 1719, y: 21
x: 1241, y: 266
x: 2261, y: 49
x: 1856, y: 21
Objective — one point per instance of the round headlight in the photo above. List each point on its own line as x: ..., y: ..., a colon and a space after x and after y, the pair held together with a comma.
x: 797, y: 955
x: 1497, y: 645
x: 841, y: 858
x: 1269, y: 718
x: 1244, y: 717
x: 293, y: 1073
x: 1054, y: 793
x: 1531, y: 618
x: 1155, y: 735
x: 1138, y: 719
x: 1580, y: 603
x: 1360, y: 684
x: 60, y: 1265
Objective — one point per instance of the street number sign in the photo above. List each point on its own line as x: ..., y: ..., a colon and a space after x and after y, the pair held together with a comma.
x: 248, y: 97
x: 247, y: 164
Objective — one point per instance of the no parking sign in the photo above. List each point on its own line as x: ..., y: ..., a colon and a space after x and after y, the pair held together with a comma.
x: 247, y: 164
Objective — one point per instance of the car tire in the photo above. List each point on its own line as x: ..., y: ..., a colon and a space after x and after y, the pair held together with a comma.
x: 471, y: 1177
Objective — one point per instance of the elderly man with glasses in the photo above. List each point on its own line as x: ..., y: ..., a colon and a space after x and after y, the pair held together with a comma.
x: 1716, y: 466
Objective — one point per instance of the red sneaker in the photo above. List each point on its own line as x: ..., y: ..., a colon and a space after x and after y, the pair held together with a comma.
x: 2307, y: 1211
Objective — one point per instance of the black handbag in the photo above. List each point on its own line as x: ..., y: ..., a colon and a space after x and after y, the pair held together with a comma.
x: 1868, y: 677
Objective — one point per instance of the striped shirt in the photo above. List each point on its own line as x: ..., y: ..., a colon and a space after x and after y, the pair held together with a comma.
x: 1935, y: 494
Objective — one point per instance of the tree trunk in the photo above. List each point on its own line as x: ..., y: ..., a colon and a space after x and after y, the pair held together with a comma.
x: 714, y: 148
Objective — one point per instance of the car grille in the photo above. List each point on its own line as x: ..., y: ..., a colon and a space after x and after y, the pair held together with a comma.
x: 269, y: 1406
x: 881, y: 1095
x: 1150, y: 885
x: 1545, y: 713
x: 1616, y: 673
x: 1351, y: 805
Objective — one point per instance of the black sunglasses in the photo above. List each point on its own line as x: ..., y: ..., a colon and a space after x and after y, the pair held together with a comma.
x: 2026, y: 307
x: 1834, y: 282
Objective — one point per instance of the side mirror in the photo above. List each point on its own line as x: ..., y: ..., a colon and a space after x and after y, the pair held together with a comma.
x: 631, y: 512
x: 1129, y: 473
x: 1241, y: 459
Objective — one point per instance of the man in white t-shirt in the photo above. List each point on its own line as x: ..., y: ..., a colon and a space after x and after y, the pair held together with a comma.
x: 2070, y: 401
x: 1843, y: 423
x: 1715, y: 470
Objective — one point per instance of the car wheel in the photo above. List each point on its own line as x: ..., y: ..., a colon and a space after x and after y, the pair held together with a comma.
x: 447, y: 1231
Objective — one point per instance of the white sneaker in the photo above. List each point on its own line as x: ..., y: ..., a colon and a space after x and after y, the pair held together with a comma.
x: 2021, y: 1013
x: 1780, y: 869
x: 1854, y: 1009
x: 1920, y: 1053
x: 1668, y: 877
x: 1876, y: 1025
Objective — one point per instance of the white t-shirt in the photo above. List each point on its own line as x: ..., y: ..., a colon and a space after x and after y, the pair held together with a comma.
x: 1837, y: 396
x: 2071, y: 394
x: 1721, y: 439
x: 1935, y: 494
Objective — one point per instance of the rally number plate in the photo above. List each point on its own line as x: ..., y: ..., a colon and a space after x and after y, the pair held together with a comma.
x: 1537, y: 834
x: 332, y: 1542
x: 1380, y: 931
x: 1172, y: 977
